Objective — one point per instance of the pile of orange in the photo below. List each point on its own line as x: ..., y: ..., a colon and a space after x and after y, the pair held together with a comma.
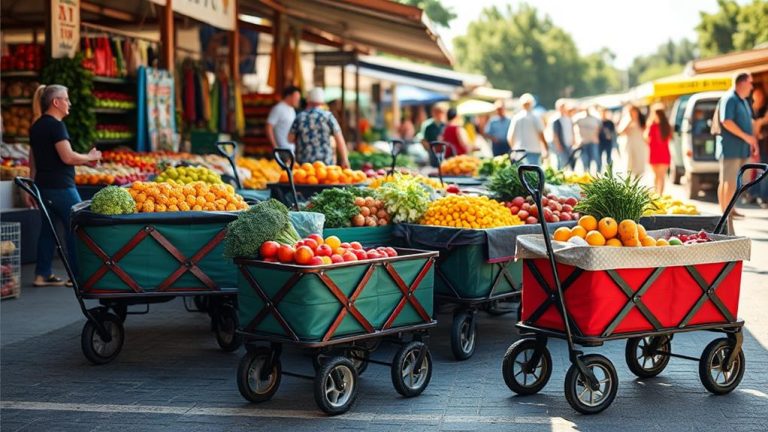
x: 198, y: 196
x: 465, y: 211
x: 462, y: 165
x: 319, y: 173
x: 607, y: 232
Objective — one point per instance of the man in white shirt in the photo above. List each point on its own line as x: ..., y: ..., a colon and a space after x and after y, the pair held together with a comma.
x: 527, y: 132
x: 281, y: 118
x: 562, y: 133
x: 589, y: 138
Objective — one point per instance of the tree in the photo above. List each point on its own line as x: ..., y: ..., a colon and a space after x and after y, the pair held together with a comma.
x: 600, y: 76
x: 437, y: 13
x: 733, y: 27
x: 519, y: 50
x: 670, y: 58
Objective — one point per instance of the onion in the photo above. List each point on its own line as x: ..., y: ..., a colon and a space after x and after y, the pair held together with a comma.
x: 358, y: 220
x: 371, y: 221
x: 373, y: 210
x: 365, y: 211
x: 368, y: 201
x: 359, y: 201
x: 382, y: 214
x: 383, y: 222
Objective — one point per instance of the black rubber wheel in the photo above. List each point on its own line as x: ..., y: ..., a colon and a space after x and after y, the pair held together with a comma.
x: 121, y: 310
x: 407, y: 381
x: 252, y: 385
x: 581, y: 397
x: 336, y: 385
x: 359, y: 358
x: 201, y: 303
x: 463, y: 334
x: 515, y: 368
x: 225, y: 326
x: 642, y: 361
x: 712, y: 371
x: 95, y: 349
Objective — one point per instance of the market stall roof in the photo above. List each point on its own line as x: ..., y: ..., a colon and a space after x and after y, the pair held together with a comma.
x: 681, y: 84
x: 445, y: 81
x: 755, y: 60
x: 383, y: 25
x: 409, y: 96
x: 489, y: 93
x: 475, y: 107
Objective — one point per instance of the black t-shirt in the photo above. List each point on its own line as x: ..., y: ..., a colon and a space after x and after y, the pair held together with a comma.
x: 607, y: 133
x: 50, y: 171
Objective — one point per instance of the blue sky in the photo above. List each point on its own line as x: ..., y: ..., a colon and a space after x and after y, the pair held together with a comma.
x: 628, y: 28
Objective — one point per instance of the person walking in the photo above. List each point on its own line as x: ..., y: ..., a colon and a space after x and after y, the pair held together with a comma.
x: 312, y: 131
x: 562, y: 133
x: 760, y: 109
x: 527, y: 132
x: 632, y: 127
x: 607, y: 137
x: 433, y: 128
x: 281, y: 118
x: 497, y: 129
x: 736, y: 141
x: 588, y: 127
x: 52, y: 166
x: 456, y: 135
x: 657, y: 134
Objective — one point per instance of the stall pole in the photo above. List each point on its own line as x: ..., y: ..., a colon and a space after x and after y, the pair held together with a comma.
x: 358, y: 138
x: 277, y: 49
x: 167, y: 41
x: 395, y: 108
x: 234, y: 50
x: 343, y: 119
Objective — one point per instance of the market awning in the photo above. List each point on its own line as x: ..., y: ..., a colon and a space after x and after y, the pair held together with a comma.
x: 475, y: 107
x: 677, y: 85
x: 409, y: 96
x: 383, y: 25
x: 753, y: 61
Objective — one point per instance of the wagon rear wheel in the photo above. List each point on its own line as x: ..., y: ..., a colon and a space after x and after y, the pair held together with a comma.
x: 336, y: 385
x: 255, y: 383
x: 225, y: 324
x: 519, y: 374
x: 643, y: 360
x: 412, y: 369
x: 463, y: 334
x: 95, y: 348
x: 714, y: 372
x: 581, y: 396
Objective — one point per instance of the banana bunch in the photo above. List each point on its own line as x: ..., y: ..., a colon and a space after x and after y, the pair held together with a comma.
x: 667, y: 205
x: 571, y: 177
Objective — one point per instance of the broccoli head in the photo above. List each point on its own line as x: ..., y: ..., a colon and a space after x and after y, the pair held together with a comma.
x: 113, y: 200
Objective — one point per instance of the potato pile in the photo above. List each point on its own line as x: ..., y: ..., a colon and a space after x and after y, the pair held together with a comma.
x: 372, y: 213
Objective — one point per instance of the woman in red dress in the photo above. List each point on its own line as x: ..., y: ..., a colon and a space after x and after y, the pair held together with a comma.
x: 456, y: 135
x: 657, y: 135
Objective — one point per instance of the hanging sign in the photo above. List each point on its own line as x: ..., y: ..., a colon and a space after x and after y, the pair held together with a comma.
x: 218, y: 13
x: 65, y: 27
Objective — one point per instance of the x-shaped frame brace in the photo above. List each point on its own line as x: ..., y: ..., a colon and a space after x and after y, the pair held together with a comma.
x: 503, y: 274
x: 408, y: 292
x: 709, y: 293
x: 188, y: 265
x: 270, y: 305
x: 634, y: 300
x: 347, y: 303
x: 552, y: 295
x: 111, y: 263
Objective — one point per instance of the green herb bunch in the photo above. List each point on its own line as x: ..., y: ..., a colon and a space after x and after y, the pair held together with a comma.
x: 338, y: 206
x: 616, y: 196
x: 506, y: 185
x: 81, y: 121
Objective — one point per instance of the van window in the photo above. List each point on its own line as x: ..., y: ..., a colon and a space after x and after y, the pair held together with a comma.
x: 678, y: 111
x: 701, y: 122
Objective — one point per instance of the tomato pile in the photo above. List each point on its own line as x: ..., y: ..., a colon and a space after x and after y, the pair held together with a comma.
x: 315, y: 251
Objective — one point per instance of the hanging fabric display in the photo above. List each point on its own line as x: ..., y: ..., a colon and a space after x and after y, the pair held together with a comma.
x: 159, y: 131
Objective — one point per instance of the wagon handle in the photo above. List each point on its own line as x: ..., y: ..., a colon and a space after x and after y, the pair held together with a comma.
x: 517, y: 155
x: 397, y: 148
x: 439, y: 149
x: 28, y: 185
x: 572, y: 156
x: 741, y: 188
x: 228, y: 149
x: 288, y: 168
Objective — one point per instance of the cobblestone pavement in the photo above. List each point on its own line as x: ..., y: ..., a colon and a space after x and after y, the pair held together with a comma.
x: 172, y: 377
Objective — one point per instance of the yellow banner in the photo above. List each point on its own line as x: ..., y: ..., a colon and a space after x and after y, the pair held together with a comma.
x: 693, y: 85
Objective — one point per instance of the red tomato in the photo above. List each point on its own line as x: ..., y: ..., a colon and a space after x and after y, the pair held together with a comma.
x: 391, y: 252
x: 349, y: 256
x: 317, y: 238
x: 360, y: 254
x: 269, y: 249
x: 285, y: 254
x: 311, y: 243
x: 345, y: 245
x: 337, y: 258
x: 372, y: 254
x: 303, y: 255
x: 316, y: 261
x: 356, y: 246
x: 324, y: 250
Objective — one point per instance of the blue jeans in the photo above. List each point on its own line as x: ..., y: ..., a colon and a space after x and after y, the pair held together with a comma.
x: 500, y: 148
x: 562, y: 158
x: 606, y: 148
x: 590, y: 153
x: 532, y: 158
x: 58, y: 202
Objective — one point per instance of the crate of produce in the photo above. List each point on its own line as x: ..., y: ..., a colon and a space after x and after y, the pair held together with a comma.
x: 10, y: 260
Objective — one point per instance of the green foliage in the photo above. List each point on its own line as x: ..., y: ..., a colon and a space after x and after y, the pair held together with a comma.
x: 733, y: 27
x: 81, y: 122
x: 670, y: 58
x: 506, y: 185
x: 405, y: 197
x: 113, y: 200
x: 435, y: 10
x: 338, y: 206
x: 616, y: 196
x: 267, y: 220
x: 378, y: 160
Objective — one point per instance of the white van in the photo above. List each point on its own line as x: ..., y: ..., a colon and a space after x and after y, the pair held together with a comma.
x: 698, y: 144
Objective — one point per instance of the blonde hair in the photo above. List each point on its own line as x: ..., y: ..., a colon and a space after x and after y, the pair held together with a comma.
x: 43, y: 99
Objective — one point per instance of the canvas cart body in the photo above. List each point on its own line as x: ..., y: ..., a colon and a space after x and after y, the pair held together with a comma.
x: 340, y: 312
x: 142, y: 259
x: 590, y: 295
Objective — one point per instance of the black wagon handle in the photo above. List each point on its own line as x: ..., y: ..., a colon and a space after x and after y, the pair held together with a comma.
x: 741, y: 188
x: 228, y: 149
x: 397, y: 148
x: 517, y: 155
x: 279, y: 154
x: 28, y: 185
x: 439, y: 149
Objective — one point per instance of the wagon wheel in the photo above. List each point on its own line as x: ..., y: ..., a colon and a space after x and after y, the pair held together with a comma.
x: 255, y: 383
x: 642, y: 360
x: 581, y: 396
x: 713, y: 370
x: 409, y: 376
x: 359, y: 357
x: 519, y: 374
x: 121, y: 310
x: 463, y: 334
x: 225, y: 324
x: 201, y: 303
x: 336, y: 385
x: 97, y: 350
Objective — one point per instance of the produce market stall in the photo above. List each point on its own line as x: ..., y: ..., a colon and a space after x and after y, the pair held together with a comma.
x: 697, y: 274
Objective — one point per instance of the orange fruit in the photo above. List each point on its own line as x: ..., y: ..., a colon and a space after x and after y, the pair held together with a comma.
x: 306, y: 166
x: 632, y: 243
x: 321, y: 173
x: 318, y: 164
x: 648, y: 241
x: 608, y: 227
x: 614, y: 242
x: 312, y: 180
x: 641, y: 232
x: 588, y: 222
x: 578, y: 231
x: 562, y: 234
x: 662, y: 242
x: 283, y: 177
x: 628, y: 231
x: 594, y: 238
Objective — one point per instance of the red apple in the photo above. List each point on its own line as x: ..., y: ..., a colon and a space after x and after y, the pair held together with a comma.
x: 372, y: 254
x: 514, y: 209
x: 317, y: 238
x: 349, y: 256
x: 525, y: 207
x: 316, y: 261
x: 270, y: 259
x: 555, y: 218
x: 523, y: 215
x: 545, y: 201
x: 571, y: 201
x: 518, y: 201
x: 345, y: 245
x: 311, y: 243
x: 567, y: 208
x: 360, y: 254
x: 303, y: 255
x: 391, y: 252
x: 565, y: 217
x: 534, y: 211
x: 285, y: 254
x: 356, y: 245
x: 324, y: 250
x: 269, y: 249
x: 531, y: 220
x: 337, y: 258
